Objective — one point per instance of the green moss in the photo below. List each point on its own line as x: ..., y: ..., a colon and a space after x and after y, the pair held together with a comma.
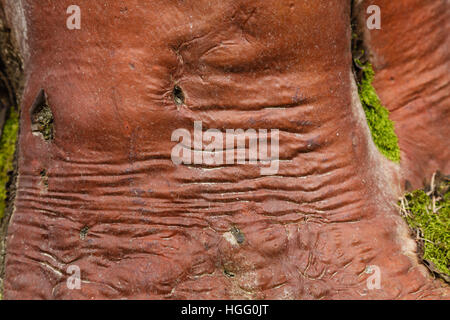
x: 381, y: 127
x: 7, y: 149
x: 431, y: 223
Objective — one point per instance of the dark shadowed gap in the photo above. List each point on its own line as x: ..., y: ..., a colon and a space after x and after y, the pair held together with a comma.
x: 11, y: 88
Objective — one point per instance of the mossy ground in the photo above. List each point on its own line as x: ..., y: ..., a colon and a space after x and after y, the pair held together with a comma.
x: 7, y: 149
x: 381, y: 127
x: 428, y: 215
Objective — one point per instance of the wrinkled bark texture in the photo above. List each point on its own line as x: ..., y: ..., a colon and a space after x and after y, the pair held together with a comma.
x: 104, y: 195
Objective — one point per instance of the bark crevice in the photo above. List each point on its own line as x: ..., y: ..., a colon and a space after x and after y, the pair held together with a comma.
x: 11, y: 88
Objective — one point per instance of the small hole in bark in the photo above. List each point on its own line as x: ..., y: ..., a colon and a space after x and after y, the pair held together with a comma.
x: 84, y: 232
x: 408, y: 185
x: 238, y: 235
x: 44, y: 178
x: 178, y: 95
x: 42, y: 117
x: 228, y: 273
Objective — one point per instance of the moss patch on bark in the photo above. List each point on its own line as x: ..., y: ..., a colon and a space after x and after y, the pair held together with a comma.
x: 381, y: 127
x: 7, y: 149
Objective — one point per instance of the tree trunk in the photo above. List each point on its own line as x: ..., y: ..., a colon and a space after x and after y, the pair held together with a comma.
x: 98, y: 188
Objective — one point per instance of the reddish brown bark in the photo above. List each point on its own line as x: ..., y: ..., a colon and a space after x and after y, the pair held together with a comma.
x: 157, y: 230
x: 411, y: 58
